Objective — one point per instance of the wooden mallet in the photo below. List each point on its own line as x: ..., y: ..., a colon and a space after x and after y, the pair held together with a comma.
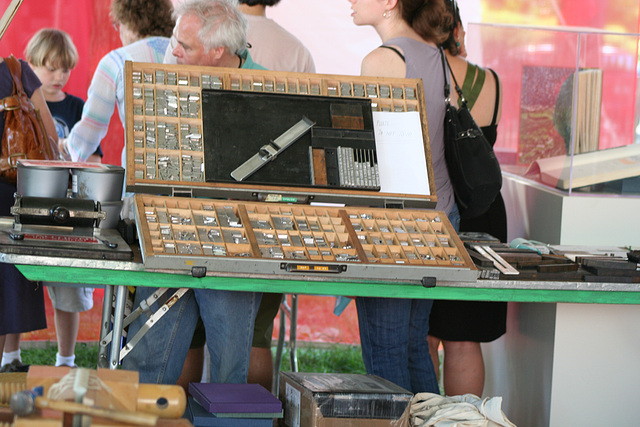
x: 26, y: 402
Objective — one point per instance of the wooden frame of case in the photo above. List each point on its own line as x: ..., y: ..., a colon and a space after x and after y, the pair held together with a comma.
x: 274, y: 239
x: 146, y: 79
x: 269, y: 239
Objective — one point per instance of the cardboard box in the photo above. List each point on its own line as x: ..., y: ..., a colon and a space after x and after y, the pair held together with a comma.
x: 342, y: 400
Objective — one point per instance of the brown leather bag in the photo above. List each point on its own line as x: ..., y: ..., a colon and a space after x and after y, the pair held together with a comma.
x: 25, y: 136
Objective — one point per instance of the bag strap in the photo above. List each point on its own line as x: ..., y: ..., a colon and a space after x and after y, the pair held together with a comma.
x: 495, y: 108
x: 395, y: 50
x: 447, y: 86
x: 477, y: 87
x: 447, y: 91
x: 16, y: 72
x: 473, y: 83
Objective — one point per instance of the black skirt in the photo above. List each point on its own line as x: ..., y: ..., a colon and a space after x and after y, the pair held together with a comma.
x: 21, y: 301
x: 477, y: 321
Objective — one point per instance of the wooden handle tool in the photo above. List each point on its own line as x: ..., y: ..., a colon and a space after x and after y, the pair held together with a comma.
x: 26, y: 402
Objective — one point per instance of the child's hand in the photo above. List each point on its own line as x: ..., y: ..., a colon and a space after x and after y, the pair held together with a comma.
x: 62, y: 147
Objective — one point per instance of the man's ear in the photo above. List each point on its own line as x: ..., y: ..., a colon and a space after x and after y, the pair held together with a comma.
x: 216, y: 53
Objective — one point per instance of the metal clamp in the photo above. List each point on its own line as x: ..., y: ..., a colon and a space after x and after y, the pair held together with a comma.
x: 145, y: 307
x: 499, y: 262
x: 155, y: 317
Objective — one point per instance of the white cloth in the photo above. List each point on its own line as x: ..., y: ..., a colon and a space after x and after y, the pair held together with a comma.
x: 106, y: 92
x: 433, y: 410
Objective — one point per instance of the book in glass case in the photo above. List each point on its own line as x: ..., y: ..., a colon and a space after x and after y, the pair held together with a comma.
x: 558, y: 130
x: 548, y: 113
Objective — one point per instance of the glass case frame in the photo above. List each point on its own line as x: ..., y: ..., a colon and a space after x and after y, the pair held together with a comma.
x: 544, y: 106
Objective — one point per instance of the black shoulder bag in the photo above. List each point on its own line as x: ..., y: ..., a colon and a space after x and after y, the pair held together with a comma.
x: 473, y: 167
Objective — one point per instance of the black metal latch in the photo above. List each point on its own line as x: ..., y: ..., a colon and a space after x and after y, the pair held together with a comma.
x: 198, y: 271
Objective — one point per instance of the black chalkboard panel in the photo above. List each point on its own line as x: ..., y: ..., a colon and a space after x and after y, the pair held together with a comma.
x: 236, y: 124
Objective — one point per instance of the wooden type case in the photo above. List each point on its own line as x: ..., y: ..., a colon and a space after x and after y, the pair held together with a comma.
x: 273, y: 230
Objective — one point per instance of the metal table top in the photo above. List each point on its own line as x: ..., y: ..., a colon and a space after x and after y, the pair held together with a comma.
x: 132, y: 273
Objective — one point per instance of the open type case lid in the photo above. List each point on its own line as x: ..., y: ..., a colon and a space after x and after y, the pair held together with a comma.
x: 260, y: 135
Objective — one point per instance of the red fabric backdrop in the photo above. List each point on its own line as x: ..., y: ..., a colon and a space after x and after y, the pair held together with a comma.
x: 89, y: 25
x: 316, y: 322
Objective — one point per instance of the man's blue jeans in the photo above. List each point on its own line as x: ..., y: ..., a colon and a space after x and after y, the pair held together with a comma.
x: 228, y: 317
x: 393, y: 335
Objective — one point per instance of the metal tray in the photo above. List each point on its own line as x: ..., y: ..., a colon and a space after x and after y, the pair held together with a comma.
x: 222, y: 237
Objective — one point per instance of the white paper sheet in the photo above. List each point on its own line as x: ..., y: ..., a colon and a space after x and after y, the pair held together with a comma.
x: 402, y: 161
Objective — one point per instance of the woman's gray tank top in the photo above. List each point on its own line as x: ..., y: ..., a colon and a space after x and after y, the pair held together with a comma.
x: 423, y: 61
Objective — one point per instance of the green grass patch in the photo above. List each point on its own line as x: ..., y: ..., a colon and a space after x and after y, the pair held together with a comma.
x: 45, y: 354
x: 333, y: 358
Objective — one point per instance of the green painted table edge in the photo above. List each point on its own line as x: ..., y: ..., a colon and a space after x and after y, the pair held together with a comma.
x: 96, y: 277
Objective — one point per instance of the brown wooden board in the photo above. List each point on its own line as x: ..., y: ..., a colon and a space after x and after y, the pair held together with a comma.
x: 227, y: 237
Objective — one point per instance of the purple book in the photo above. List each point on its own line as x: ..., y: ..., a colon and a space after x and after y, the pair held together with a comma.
x: 236, y: 398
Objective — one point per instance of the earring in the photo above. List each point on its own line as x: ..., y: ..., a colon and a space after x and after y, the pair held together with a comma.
x: 457, y: 44
x: 386, y: 14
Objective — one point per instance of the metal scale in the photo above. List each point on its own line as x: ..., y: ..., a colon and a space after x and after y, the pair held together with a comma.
x: 62, y: 228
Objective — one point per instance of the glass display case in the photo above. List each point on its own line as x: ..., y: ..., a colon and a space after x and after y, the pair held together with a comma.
x: 577, y: 135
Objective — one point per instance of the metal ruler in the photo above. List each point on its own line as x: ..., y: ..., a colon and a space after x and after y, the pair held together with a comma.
x: 497, y: 260
x: 271, y: 150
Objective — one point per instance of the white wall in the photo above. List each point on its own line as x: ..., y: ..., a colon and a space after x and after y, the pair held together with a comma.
x: 326, y: 28
x: 565, y: 365
x: 336, y: 43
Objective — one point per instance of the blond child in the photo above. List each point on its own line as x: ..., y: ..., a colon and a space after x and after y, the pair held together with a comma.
x: 52, y: 55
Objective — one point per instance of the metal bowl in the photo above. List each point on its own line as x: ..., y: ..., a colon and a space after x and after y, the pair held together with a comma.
x: 102, y: 184
x: 42, y: 181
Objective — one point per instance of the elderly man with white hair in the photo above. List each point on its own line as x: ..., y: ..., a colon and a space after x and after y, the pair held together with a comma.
x: 210, y: 33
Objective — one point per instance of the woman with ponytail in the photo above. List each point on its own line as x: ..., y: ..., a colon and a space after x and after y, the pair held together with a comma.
x: 393, y: 331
